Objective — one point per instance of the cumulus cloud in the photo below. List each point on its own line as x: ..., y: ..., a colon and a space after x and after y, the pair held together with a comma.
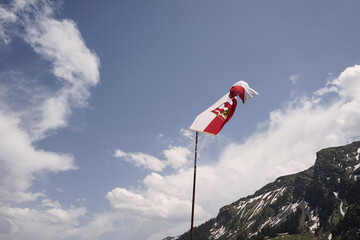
x: 20, y: 160
x: 175, y: 157
x: 141, y: 159
x: 50, y: 223
x: 164, y: 200
x: 286, y: 143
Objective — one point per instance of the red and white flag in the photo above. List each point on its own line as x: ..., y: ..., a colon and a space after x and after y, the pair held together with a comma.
x: 214, y: 118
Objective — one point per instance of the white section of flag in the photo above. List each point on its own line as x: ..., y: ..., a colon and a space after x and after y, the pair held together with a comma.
x: 248, y: 91
x: 204, y: 119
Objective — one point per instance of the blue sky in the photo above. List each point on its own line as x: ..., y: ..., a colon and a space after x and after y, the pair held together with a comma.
x: 96, y: 97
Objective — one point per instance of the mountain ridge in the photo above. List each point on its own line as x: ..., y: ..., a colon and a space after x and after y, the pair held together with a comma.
x: 321, y: 202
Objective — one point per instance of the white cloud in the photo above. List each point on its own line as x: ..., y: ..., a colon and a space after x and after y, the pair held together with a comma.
x: 176, y: 157
x: 52, y: 223
x: 154, y: 205
x: 20, y: 160
x: 29, y: 112
x: 186, y: 133
x: 99, y: 225
x: 142, y: 159
x: 48, y: 203
x: 6, y: 18
x: 119, y: 153
x: 285, y: 144
x: 60, y: 42
x: 294, y: 78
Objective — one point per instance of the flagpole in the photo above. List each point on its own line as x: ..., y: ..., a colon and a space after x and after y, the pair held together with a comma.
x: 193, y: 195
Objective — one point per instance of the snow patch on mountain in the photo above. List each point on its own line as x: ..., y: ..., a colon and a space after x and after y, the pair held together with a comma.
x: 217, y: 233
x: 356, y: 166
x: 316, y: 221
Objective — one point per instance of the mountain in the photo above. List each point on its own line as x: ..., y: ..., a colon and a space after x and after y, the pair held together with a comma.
x: 322, y: 202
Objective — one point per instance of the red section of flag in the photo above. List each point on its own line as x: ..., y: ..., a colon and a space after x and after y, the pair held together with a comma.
x: 232, y: 110
x: 223, y: 115
x: 213, y: 119
x: 215, y: 126
x: 237, y: 91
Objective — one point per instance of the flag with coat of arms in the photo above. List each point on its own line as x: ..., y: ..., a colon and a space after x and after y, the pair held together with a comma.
x: 213, y: 119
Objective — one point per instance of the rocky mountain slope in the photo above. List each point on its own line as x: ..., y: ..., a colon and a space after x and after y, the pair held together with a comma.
x: 322, y: 202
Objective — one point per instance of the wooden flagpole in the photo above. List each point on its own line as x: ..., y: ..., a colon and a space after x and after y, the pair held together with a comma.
x: 193, y: 195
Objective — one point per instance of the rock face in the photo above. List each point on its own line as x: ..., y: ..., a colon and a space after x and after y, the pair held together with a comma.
x: 322, y: 202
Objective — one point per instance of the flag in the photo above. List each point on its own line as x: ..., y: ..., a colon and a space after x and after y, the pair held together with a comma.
x: 215, y: 117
